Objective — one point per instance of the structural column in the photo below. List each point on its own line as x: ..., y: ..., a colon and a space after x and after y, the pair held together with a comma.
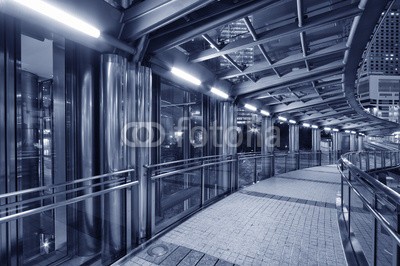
x: 353, y: 142
x: 293, y: 138
x: 316, y: 145
x: 267, y: 146
x: 316, y: 139
x: 112, y: 151
x: 336, y: 144
x: 228, y: 141
x: 360, y: 143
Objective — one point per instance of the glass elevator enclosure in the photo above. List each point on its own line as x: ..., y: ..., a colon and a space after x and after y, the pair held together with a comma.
x: 66, y: 177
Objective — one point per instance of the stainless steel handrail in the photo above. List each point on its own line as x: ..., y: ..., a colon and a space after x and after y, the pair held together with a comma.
x: 377, y: 215
x: 393, y: 195
x: 64, y: 192
x: 19, y: 215
x: 180, y: 171
x: 37, y: 189
x: 185, y: 160
x: 378, y: 189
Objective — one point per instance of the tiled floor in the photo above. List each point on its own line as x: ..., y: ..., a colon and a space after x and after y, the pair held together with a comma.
x: 286, y: 220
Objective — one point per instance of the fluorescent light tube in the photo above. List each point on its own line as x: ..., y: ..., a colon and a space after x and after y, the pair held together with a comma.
x: 353, y: 132
x: 60, y: 16
x: 264, y: 112
x: 183, y: 75
x: 219, y: 93
x: 347, y: 131
x: 327, y: 129
x: 250, y: 107
x: 292, y: 121
x: 314, y: 126
x: 282, y: 118
x: 306, y: 125
x: 335, y: 129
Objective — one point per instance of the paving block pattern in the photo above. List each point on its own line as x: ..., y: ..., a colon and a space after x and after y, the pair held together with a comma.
x: 278, y: 221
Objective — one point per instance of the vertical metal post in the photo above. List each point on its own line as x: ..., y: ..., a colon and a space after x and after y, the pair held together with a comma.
x: 375, y: 236
x: 298, y: 160
x: 374, y: 159
x: 255, y: 171
x: 202, y: 184
x: 349, y: 207
x: 286, y: 163
x: 396, y: 251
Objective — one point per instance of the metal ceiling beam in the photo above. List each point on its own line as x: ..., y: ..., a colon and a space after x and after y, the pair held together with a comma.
x: 290, y: 60
x: 275, y: 34
x: 292, y: 88
x: 226, y: 57
x: 260, y: 47
x: 301, y: 75
x: 343, y: 121
x: 217, y: 14
x: 297, y: 106
x: 147, y: 16
x: 360, y: 34
x: 325, y: 115
x: 362, y: 125
x: 300, y: 14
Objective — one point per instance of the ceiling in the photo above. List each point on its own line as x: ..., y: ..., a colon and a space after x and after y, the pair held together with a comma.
x: 294, y: 58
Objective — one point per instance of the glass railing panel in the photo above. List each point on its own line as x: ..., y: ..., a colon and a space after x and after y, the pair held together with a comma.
x: 177, y: 194
x: 280, y: 164
x: 362, y: 224
x: 305, y: 159
x: 291, y: 162
x: 385, y: 246
x: 246, y: 172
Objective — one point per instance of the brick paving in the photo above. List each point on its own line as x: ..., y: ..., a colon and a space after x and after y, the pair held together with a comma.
x: 289, y: 219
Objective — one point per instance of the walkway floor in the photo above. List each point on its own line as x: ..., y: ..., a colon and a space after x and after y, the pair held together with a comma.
x: 290, y: 219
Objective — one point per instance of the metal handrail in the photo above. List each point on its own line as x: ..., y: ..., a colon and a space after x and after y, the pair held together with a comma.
x: 64, y: 192
x: 180, y: 171
x: 393, y: 195
x: 64, y: 203
x: 149, y: 166
x: 37, y: 189
x: 378, y: 189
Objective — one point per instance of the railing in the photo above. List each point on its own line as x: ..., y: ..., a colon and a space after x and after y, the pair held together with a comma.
x: 369, y: 207
x: 254, y: 167
x: 180, y: 188
x: 57, y: 217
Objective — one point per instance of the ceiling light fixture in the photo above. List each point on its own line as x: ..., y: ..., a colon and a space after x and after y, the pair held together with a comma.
x: 292, y: 121
x: 314, y: 126
x: 60, y: 16
x: 282, y: 118
x: 250, y: 107
x: 219, y: 93
x: 335, y: 129
x: 263, y: 112
x: 182, y: 74
x: 327, y: 129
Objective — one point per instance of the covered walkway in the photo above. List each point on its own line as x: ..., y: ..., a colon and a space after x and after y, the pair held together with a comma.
x: 289, y: 219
